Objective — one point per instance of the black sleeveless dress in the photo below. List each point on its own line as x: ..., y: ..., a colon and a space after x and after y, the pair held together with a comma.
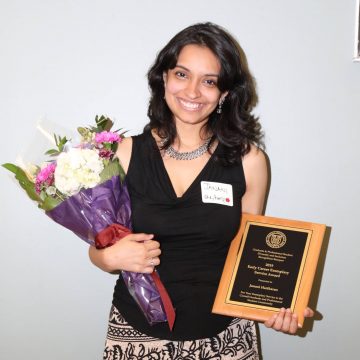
x: 194, y: 237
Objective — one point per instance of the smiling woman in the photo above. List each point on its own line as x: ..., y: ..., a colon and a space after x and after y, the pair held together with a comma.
x: 217, y: 74
x: 191, y: 90
x: 202, y: 140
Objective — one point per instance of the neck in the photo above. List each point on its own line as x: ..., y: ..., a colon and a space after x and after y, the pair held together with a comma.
x: 190, y: 136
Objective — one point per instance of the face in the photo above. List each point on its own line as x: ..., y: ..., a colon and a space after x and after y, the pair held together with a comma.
x: 191, y: 90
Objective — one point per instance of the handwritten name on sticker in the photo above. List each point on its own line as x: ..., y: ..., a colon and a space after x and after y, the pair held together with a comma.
x: 216, y: 193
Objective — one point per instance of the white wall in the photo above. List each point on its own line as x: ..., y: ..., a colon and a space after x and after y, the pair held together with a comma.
x: 69, y: 60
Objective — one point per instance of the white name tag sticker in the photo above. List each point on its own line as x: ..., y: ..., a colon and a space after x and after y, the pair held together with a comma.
x: 216, y: 193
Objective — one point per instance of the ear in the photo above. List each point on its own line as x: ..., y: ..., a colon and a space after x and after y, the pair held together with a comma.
x: 165, y: 77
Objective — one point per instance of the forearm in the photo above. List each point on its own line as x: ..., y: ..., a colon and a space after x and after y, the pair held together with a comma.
x: 101, y: 259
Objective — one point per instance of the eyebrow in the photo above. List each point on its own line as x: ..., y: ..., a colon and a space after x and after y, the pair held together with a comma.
x: 185, y: 68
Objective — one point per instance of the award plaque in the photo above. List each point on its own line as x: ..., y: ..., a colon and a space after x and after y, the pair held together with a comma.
x: 271, y: 264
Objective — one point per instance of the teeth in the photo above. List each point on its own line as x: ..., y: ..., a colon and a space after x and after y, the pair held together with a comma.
x: 190, y: 105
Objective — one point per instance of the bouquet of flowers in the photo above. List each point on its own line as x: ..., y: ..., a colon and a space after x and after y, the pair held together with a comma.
x: 82, y: 188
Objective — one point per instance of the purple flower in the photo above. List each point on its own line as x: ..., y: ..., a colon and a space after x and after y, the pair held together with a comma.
x: 45, y: 177
x: 106, y: 153
x: 107, y: 137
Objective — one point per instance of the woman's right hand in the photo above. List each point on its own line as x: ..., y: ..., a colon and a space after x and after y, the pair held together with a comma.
x: 134, y: 252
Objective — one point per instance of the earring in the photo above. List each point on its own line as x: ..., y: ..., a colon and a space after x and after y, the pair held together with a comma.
x: 219, y: 109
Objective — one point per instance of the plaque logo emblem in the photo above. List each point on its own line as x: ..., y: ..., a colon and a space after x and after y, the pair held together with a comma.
x: 276, y: 239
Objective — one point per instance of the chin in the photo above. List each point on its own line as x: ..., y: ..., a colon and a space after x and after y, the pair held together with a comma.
x: 191, y: 120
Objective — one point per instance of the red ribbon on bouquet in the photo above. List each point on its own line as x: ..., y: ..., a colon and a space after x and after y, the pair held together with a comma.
x: 109, y: 236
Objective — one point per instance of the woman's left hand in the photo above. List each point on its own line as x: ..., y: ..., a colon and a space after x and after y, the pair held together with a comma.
x: 286, y: 321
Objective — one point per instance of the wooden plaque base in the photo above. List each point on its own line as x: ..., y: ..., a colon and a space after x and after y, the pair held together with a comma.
x: 271, y: 264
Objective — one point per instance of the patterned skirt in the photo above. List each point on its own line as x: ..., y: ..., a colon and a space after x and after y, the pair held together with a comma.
x: 238, y: 341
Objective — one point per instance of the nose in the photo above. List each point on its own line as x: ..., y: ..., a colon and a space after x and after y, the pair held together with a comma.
x: 193, y: 89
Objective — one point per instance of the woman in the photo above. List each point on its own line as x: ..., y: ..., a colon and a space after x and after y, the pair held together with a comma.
x: 201, y: 142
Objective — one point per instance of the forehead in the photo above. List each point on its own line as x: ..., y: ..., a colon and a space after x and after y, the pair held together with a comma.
x: 200, y: 59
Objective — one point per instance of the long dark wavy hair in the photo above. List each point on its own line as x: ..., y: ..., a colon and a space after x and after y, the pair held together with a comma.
x: 236, y: 128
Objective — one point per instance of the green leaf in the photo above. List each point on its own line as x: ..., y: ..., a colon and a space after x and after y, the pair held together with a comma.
x: 11, y: 167
x: 122, y: 133
x: 60, y: 142
x: 122, y: 174
x: 112, y: 169
x: 24, y: 181
x: 103, y: 123
x: 82, y: 131
x: 108, y: 125
x: 52, y: 152
x: 49, y: 203
x: 43, y: 195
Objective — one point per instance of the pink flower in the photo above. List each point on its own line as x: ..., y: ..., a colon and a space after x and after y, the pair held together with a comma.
x: 107, y: 137
x: 45, y: 177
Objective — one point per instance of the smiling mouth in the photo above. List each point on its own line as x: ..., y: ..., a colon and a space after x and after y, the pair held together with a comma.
x: 188, y: 105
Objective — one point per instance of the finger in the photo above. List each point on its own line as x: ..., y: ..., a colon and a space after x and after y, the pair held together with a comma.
x: 141, y: 237
x: 293, y: 324
x: 287, y: 321
x: 151, y: 245
x: 270, y: 322
x: 309, y: 312
x: 279, y: 320
x: 153, y: 253
x: 148, y: 270
x: 155, y: 261
x: 148, y: 265
x: 152, y: 263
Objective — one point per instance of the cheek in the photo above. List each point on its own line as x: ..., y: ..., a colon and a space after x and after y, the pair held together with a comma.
x: 215, y: 98
x: 173, y: 87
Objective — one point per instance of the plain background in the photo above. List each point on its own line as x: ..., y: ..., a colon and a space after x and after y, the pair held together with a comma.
x: 66, y: 61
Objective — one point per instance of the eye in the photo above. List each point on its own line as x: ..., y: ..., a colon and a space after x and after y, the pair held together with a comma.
x: 210, y: 82
x: 180, y: 74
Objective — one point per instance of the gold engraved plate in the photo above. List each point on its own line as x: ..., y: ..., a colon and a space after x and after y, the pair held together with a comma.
x: 276, y: 239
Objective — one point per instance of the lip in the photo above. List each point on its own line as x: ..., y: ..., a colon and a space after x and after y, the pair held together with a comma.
x: 190, y: 105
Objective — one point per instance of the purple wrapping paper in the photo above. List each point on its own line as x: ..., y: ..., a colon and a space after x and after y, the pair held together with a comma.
x: 92, y: 210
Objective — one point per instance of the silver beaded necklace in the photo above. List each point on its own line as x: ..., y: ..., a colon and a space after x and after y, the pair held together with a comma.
x: 188, y: 155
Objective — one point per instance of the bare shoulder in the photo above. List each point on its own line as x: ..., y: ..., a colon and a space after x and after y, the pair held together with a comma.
x: 123, y: 152
x: 256, y: 178
x: 255, y: 158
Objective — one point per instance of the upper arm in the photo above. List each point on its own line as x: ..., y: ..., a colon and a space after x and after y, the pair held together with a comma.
x: 123, y: 153
x: 256, y: 178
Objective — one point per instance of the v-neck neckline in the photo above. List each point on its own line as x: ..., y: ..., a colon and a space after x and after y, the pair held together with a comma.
x: 167, y: 176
